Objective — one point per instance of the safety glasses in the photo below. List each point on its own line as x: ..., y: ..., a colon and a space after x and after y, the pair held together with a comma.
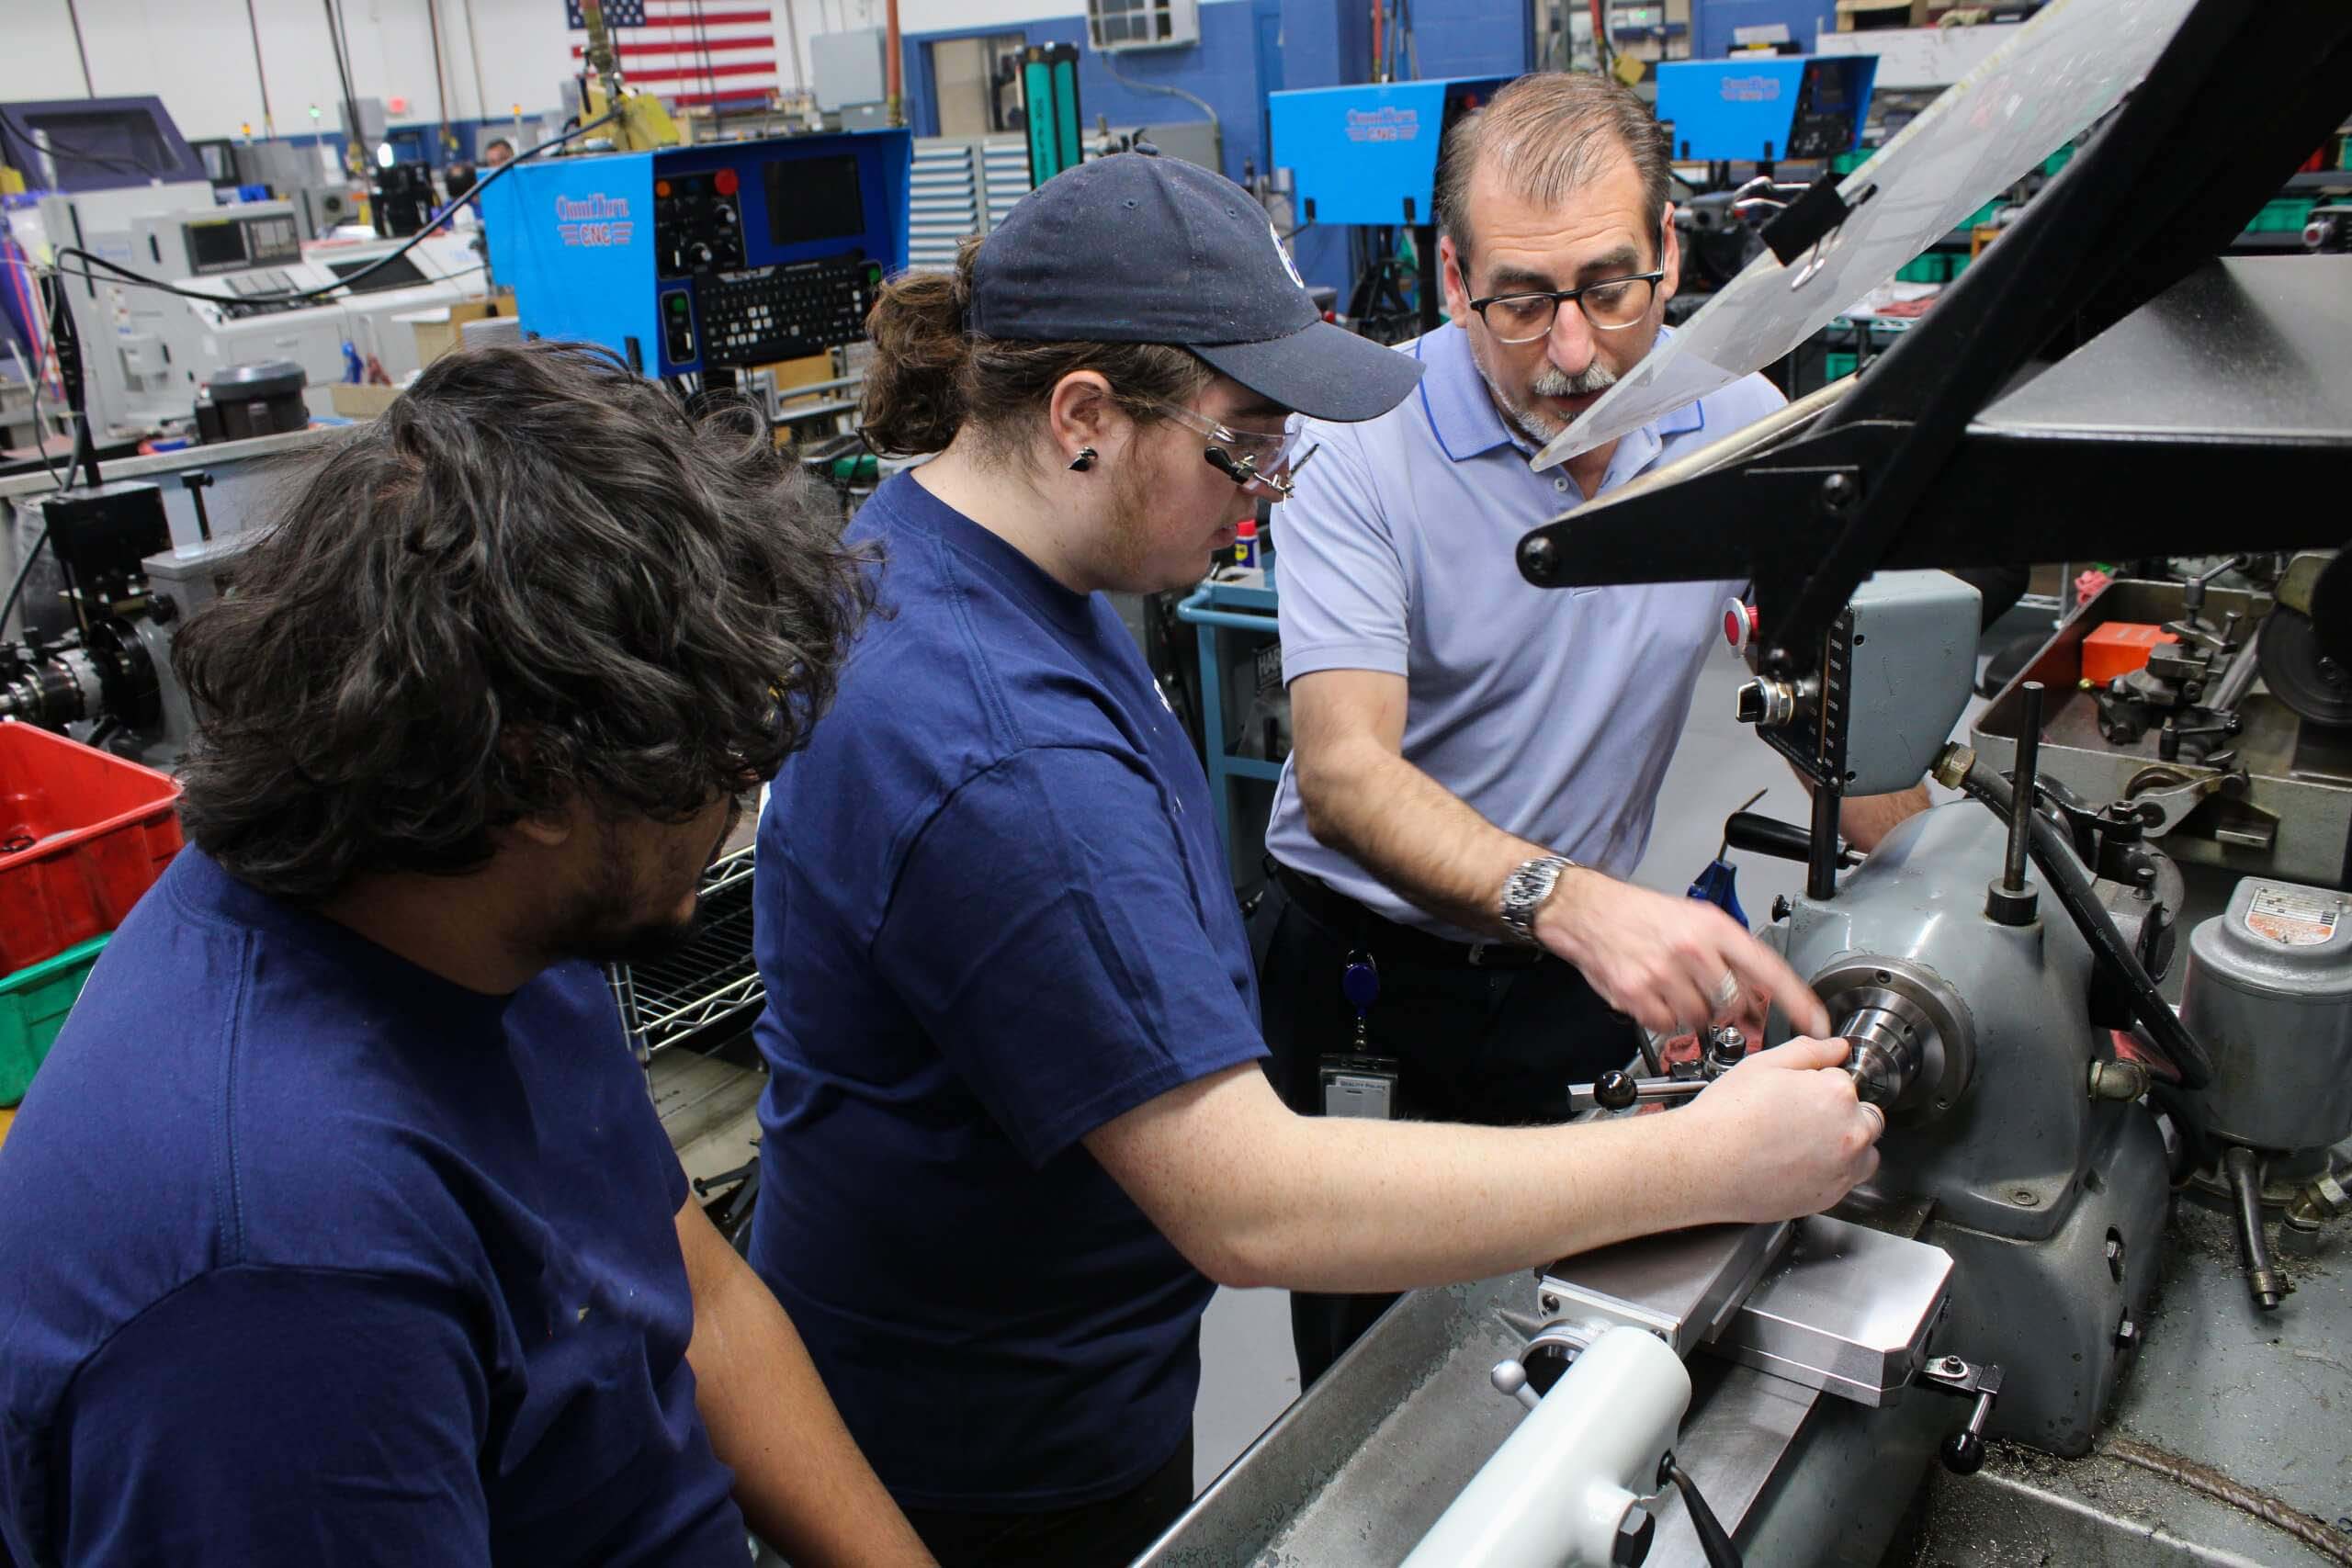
x: 1260, y: 461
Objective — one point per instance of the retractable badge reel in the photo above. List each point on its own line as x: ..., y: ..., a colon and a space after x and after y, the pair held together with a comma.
x: 1360, y: 1082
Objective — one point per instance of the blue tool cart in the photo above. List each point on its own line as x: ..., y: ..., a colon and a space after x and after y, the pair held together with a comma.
x: 1238, y: 630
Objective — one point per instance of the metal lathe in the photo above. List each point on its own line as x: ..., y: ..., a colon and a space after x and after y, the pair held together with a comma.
x: 2101, y: 1274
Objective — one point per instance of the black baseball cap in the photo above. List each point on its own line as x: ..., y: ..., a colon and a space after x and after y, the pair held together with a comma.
x: 1138, y: 248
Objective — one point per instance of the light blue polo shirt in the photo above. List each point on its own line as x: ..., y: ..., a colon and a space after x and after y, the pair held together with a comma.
x: 1552, y: 712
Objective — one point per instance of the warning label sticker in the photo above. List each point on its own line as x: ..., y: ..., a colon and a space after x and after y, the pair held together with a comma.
x: 2294, y: 916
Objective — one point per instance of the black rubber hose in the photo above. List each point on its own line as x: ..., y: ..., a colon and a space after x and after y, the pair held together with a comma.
x: 2071, y: 884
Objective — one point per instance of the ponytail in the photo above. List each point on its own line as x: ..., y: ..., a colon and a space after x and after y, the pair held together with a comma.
x: 914, y: 387
x: 929, y: 377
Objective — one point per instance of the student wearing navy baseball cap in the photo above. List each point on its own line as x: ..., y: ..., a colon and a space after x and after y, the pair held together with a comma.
x: 1017, y: 1128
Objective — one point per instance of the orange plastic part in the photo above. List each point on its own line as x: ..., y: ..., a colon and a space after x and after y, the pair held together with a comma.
x: 2119, y: 648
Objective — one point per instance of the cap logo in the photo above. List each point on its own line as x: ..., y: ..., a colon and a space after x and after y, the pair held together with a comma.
x: 1289, y: 265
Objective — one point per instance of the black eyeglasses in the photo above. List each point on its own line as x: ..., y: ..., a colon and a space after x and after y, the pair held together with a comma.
x: 1611, y: 305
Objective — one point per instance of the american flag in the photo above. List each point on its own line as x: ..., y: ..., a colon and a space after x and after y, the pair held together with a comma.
x: 690, y: 51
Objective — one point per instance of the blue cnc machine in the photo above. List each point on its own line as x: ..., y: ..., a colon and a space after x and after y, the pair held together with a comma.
x: 1763, y: 109
x: 690, y: 259
x: 1368, y: 153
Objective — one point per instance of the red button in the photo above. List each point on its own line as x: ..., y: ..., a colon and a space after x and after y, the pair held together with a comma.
x: 725, y: 181
x: 660, y: 187
x: 1739, y: 625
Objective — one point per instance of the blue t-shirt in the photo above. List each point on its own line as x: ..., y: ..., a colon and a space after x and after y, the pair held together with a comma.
x: 993, y: 914
x: 309, y: 1255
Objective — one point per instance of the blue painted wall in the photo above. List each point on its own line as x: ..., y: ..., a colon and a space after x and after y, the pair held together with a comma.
x: 1471, y: 38
x: 1222, y: 70
x: 1325, y: 44
x: 1249, y: 48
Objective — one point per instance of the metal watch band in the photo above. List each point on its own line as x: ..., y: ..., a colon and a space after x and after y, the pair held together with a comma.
x: 1524, y: 890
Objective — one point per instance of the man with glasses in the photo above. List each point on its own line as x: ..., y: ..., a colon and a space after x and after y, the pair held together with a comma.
x: 1017, y: 1123
x: 1475, y: 760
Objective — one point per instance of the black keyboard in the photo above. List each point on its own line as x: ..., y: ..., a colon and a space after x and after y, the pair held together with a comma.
x: 783, y: 312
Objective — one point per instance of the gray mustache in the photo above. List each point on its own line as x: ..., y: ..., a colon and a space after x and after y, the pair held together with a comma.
x: 1554, y: 382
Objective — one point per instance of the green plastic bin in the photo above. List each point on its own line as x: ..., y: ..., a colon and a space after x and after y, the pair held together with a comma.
x: 33, y: 1004
x: 2287, y: 215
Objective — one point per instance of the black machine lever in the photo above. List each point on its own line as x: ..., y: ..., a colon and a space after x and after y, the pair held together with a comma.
x: 1714, y: 1539
x: 1963, y: 1451
x: 1621, y: 1090
x: 1763, y: 835
x: 197, y: 484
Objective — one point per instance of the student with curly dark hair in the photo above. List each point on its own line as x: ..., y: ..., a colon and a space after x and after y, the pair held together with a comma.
x: 339, y: 1224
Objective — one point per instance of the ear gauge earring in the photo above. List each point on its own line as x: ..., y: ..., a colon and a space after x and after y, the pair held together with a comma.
x: 1083, y: 461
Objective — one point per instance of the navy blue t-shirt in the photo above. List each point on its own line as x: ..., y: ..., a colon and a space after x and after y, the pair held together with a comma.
x: 309, y: 1255
x: 993, y: 914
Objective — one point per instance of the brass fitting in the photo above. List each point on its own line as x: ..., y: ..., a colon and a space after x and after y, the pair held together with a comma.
x: 1953, y: 764
x: 2322, y: 1200
x: 2118, y: 1080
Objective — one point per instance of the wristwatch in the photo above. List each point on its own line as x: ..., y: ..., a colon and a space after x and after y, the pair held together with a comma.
x: 1524, y: 890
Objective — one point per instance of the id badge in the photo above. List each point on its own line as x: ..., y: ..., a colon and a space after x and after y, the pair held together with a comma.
x: 1363, y: 1087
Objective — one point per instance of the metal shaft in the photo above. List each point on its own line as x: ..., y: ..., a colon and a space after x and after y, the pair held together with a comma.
x: 1622, y: 1091
x: 2021, y: 818
x: 1821, y: 869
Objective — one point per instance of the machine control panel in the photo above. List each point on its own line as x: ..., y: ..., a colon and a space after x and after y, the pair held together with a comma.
x: 712, y: 257
x: 783, y: 313
x: 698, y: 224
x: 718, y: 305
x: 266, y: 287
x: 234, y: 243
x: 1757, y: 109
x: 1826, y: 124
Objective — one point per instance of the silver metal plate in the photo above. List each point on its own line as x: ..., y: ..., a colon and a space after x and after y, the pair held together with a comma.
x: 1846, y: 1311
x: 1683, y: 1286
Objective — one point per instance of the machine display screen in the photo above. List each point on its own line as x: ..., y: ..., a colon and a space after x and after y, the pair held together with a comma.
x: 216, y: 247
x: 108, y: 138
x: 272, y: 240
x: 814, y: 198
x: 401, y: 273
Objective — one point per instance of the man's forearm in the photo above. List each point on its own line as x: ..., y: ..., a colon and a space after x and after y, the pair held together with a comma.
x: 1667, y: 962
x: 1416, y: 836
x: 802, y: 1483
x: 1864, y: 819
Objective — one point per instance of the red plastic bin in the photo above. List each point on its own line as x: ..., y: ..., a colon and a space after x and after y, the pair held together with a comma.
x: 97, y: 832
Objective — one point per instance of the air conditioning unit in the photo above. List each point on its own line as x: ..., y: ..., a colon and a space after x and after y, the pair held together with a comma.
x: 1113, y: 25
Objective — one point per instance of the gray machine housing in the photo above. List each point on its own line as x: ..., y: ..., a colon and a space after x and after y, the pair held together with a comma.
x: 2051, y: 1202
x: 1910, y: 641
x: 1893, y: 683
x: 2268, y: 984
